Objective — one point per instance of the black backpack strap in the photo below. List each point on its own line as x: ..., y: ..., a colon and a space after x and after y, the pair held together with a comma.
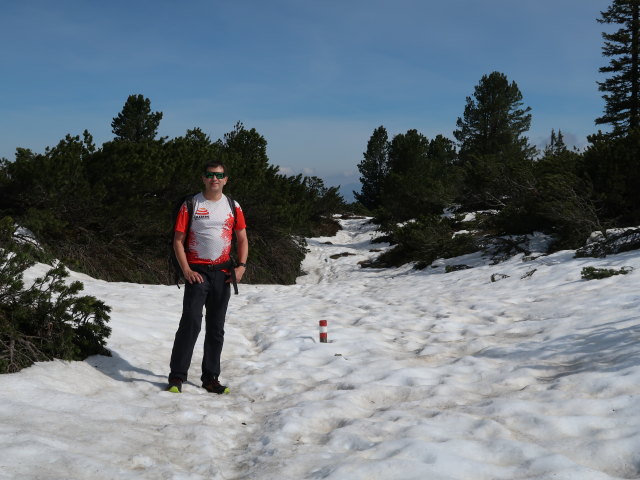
x: 232, y: 205
x: 189, y: 200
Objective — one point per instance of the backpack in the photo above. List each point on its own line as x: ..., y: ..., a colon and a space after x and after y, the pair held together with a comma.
x: 174, y: 265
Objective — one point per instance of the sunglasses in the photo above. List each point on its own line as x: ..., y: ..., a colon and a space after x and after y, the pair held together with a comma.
x: 218, y: 175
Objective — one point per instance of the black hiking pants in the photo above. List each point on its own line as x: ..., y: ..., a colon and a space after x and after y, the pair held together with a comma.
x: 213, y: 294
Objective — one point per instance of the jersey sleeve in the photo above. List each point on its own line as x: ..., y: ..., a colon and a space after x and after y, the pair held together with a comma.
x: 182, y: 220
x: 240, y: 221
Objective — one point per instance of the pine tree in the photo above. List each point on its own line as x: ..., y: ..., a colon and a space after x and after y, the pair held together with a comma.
x: 556, y: 144
x: 494, y: 120
x: 373, y: 168
x: 421, y: 177
x: 563, y: 198
x: 494, y: 153
x: 135, y: 122
x: 622, y: 97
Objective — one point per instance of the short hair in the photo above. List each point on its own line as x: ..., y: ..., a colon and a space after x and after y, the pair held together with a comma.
x: 214, y: 164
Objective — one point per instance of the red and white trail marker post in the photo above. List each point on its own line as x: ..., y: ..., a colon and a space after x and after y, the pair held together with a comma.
x: 323, y: 331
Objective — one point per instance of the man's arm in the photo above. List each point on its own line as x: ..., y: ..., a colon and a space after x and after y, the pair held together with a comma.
x: 242, y: 245
x: 178, y: 247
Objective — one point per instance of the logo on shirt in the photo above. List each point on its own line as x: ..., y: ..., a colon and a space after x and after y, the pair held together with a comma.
x: 201, y: 212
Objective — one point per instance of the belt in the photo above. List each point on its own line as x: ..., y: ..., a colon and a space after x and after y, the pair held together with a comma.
x: 228, y: 265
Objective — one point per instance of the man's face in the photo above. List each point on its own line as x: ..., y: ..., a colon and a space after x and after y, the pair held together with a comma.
x: 211, y: 180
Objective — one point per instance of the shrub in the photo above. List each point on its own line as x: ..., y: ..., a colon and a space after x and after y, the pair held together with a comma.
x: 593, y: 273
x: 455, y: 268
x: 423, y: 241
x: 47, y: 320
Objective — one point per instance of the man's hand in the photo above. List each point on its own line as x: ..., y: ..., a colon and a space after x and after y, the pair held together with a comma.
x: 193, y: 277
x: 239, y: 273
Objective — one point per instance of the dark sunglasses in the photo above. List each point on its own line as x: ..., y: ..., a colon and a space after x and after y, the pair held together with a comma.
x: 218, y: 175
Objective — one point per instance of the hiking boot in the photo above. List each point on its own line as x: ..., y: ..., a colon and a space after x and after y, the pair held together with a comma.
x: 175, y: 385
x: 214, y: 386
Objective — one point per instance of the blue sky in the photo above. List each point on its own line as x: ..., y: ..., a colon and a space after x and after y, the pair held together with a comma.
x: 314, y: 78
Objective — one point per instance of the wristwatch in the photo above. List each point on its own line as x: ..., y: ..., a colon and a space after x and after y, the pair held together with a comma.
x: 242, y: 264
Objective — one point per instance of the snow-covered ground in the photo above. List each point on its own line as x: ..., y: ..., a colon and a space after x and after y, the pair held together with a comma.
x: 426, y: 376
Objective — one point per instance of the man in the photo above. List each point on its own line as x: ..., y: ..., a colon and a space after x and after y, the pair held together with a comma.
x: 203, y: 254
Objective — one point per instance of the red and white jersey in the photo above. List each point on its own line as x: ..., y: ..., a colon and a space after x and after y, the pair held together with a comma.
x: 209, y: 239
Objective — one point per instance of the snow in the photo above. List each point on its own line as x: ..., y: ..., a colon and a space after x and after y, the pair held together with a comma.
x: 426, y: 375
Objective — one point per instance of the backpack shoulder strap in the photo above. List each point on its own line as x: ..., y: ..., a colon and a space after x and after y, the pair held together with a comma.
x: 232, y: 205
x: 190, y: 201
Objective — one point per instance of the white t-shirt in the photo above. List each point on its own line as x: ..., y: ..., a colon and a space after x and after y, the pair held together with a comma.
x: 209, y: 239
